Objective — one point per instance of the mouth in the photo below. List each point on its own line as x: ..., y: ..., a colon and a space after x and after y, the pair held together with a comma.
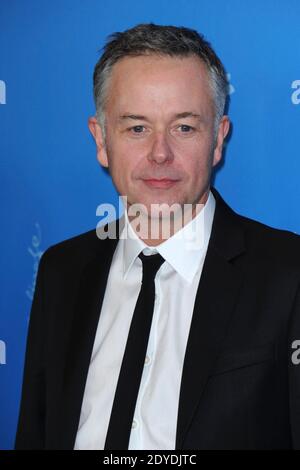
x: 163, y: 183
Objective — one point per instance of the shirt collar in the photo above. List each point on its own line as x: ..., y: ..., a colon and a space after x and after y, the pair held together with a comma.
x: 183, y: 251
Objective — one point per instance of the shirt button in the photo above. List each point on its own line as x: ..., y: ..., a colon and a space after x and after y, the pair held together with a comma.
x: 147, y: 360
x: 134, y: 424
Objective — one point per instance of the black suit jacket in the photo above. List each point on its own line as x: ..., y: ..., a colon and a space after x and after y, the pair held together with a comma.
x: 240, y: 388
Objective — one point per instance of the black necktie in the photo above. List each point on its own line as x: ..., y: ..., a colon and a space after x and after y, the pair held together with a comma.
x: 123, y: 408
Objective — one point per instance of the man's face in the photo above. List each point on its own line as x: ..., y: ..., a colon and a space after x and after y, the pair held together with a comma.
x: 160, y: 145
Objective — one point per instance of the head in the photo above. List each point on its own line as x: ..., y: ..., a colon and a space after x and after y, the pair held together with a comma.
x: 160, y: 94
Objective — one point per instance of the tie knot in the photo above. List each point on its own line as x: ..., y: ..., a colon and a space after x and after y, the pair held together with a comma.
x: 151, y: 264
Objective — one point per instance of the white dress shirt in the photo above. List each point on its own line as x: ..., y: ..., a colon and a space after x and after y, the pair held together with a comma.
x: 155, y: 418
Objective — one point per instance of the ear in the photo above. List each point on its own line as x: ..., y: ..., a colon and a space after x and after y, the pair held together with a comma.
x: 96, y: 132
x: 223, y: 130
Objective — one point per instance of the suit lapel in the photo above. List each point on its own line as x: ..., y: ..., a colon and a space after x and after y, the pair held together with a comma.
x: 214, y: 305
x: 86, y: 317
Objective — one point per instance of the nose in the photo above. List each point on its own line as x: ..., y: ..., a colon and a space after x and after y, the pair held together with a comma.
x: 161, y: 151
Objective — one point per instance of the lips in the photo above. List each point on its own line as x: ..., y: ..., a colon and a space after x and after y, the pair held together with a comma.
x: 163, y: 183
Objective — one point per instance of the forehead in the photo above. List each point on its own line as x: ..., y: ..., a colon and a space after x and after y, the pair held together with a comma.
x: 160, y: 79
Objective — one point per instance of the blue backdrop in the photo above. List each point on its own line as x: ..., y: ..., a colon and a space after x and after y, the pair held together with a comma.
x: 51, y: 182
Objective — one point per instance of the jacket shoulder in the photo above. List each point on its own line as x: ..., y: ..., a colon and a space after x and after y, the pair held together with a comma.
x: 264, y: 245
x: 80, y: 249
x: 279, y: 245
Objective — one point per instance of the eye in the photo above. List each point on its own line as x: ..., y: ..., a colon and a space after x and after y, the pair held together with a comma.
x: 186, y: 129
x: 137, y: 129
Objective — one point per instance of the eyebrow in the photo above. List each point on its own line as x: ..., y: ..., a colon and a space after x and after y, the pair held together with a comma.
x: 137, y: 117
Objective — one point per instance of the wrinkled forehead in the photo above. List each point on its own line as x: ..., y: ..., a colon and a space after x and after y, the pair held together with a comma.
x: 177, y: 84
x: 157, y: 64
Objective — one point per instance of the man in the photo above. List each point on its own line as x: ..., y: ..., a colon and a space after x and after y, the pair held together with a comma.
x: 200, y: 352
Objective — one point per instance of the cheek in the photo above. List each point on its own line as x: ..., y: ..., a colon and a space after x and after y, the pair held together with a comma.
x: 130, y: 159
x: 197, y: 161
x: 122, y: 163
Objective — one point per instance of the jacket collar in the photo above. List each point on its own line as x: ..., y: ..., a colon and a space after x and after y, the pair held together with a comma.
x: 214, y: 306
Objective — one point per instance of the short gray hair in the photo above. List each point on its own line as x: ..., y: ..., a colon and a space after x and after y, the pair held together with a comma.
x: 152, y: 39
